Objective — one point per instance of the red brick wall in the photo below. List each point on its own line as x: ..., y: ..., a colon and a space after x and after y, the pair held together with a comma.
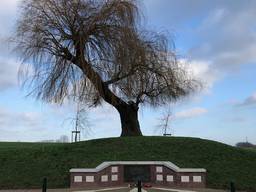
x: 120, y: 182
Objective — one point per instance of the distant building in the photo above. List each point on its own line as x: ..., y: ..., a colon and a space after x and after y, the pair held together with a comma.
x: 245, y: 144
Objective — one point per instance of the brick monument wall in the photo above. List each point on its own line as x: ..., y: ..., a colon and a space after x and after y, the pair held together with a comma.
x: 160, y: 176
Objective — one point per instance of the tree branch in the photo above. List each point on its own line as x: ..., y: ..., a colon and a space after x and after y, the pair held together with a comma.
x: 116, y: 79
x: 95, y: 78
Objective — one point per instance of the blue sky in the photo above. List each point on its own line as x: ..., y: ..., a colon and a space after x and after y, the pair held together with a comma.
x: 216, y: 38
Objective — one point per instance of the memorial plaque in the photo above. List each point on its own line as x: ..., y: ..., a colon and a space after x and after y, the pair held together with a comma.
x: 133, y: 173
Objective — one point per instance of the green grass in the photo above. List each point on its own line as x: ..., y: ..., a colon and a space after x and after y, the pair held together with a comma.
x: 251, y: 149
x: 23, y: 165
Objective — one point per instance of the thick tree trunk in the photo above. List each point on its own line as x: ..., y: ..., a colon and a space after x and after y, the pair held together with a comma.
x: 128, y: 112
x: 129, y: 120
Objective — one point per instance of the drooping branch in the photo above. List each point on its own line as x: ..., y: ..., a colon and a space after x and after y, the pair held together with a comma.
x: 97, y: 48
x: 117, y: 77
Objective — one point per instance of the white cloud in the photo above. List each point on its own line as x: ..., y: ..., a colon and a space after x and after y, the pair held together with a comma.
x: 214, y: 18
x: 30, y: 118
x: 8, y: 74
x: 204, y: 71
x: 190, y: 113
x: 8, y: 67
x: 12, y: 119
x: 8, y: 13
x: 29, y: 125
x: 8, y: 4
x: 8, y: 17
x: 228, y: 37
x: 249, y: 101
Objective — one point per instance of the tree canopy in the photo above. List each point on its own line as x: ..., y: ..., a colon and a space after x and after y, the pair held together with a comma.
x: 97, y: 50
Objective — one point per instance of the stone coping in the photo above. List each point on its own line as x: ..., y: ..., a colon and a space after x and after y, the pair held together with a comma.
x: 168, y: 164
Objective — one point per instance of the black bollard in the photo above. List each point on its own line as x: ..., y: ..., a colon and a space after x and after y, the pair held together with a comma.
x: 44, y: 188
x: 232, y: 187
x: 139, y: 185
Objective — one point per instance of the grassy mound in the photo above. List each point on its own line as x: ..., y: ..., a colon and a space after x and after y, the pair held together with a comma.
x: 23, y: 165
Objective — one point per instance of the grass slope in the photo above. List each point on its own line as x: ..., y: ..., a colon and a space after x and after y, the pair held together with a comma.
x: 23, y: 165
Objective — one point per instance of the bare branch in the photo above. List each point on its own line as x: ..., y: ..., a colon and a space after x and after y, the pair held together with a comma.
x: 96, y: 50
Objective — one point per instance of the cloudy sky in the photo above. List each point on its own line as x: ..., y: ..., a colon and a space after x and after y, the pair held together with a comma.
x: 217, y: 39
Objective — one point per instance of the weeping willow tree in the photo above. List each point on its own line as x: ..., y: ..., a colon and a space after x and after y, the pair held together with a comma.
x: 97, y: 51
